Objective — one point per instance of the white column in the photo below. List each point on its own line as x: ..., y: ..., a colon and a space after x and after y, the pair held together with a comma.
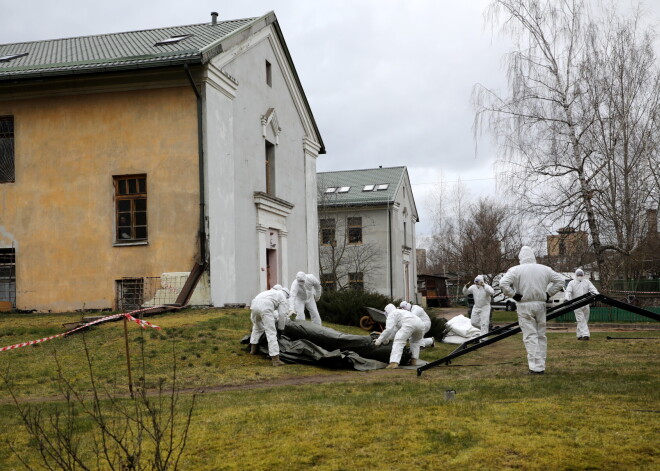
x: 263, y: 263
x: 284, y: 257
x: 311, y: 151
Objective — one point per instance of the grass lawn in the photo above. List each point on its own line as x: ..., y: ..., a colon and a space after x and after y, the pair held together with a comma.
x: 597, y: 407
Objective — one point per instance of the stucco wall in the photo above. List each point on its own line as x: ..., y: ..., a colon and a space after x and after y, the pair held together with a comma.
x: 59, y: 214
x: 236, y: 152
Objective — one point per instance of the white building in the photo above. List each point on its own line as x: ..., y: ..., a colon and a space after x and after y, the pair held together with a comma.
x: 367, y: 231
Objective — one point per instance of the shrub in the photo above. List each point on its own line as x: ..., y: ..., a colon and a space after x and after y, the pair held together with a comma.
x: 348, y: 306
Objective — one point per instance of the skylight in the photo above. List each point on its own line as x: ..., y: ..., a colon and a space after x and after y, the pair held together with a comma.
x: 382, y: 186
x: 10, y: 57
x: 344, y: 189
x: 173, y: 39
x: 368, y: 188
x: 331, y: 189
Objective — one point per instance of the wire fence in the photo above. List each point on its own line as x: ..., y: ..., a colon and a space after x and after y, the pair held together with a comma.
x: 136, y: 293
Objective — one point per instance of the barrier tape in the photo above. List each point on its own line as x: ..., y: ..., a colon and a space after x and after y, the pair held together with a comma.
x: 97, y: 321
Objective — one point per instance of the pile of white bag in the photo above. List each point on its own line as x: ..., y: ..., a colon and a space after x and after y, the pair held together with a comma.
x: 460, y: 330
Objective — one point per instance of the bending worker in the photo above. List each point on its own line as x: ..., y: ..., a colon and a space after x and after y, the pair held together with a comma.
x: 482, y: 293
x: 305, y: 291
x: 531, y: 285
x: 268, y: 309
x: 426, y: 320
x: 402, y: 326
x: 576, y: 288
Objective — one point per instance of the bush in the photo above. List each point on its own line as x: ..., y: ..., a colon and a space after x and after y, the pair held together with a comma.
x: 348, y: 306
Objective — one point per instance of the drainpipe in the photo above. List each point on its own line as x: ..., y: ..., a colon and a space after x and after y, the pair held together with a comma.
x: 200, y: 151
x: 389, y: 246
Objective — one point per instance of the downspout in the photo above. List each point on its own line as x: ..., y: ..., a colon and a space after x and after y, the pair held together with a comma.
x: 389, y: 248
x: 200, y: 151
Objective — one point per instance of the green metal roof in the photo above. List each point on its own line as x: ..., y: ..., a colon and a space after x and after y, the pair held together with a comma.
x: 357, y: 180
x: 130, y: 50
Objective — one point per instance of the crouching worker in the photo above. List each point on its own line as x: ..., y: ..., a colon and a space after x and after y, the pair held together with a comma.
x: 269, y: 312
x: 427, y: 342
x: 401, y: 325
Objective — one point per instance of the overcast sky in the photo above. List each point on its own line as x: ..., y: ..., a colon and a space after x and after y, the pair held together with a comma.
x: 389, y: 81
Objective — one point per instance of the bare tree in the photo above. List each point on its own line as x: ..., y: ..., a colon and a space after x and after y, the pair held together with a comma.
x: 558, y: 129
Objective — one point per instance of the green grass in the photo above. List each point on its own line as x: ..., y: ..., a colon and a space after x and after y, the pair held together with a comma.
x: 596, y: 408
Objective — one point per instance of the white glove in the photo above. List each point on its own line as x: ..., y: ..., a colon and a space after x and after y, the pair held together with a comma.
x: 386, y: 341
x: 378, y: 342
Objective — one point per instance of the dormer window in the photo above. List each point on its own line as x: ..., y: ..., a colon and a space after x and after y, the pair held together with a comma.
x: 173, y: 39
x: 11, y: 57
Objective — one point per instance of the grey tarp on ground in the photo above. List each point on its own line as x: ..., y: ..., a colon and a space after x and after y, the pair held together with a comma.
x: 305, y: 342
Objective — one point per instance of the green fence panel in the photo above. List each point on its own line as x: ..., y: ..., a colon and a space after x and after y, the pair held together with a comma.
x: 610, y: 314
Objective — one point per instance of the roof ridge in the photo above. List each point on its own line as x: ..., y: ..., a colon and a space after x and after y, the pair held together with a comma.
x: 127, y: 32
x: 362, y: 169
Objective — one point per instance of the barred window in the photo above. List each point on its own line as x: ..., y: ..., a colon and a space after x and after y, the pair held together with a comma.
x: 328, y: 281
x: 327, y: 231
x: 131, y: 208
x: 356, y: 281
x: 8, y: 276
x: 355, y: 230
x: 7, y: 149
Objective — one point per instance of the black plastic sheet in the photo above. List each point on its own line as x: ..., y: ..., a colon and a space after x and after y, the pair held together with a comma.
x: 308, y: 343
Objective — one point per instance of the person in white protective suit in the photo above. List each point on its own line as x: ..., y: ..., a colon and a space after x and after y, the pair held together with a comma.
x: 269, y: 313
x: 401, y: 325
x: 305, y: 291
x: 576, y: 288
x: 482, y: 294
x: 427, y: 342
x: 531, y: 285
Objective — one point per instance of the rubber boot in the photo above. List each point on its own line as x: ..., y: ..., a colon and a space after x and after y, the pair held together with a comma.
x: 392, y: 366
x: 277, y: 361
x: 254, y: 349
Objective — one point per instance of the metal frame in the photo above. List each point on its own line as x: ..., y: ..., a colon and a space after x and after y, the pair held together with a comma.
x: 508, y: 330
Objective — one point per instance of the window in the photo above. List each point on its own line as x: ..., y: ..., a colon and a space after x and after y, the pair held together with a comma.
x: 383, y: 186
x: 8, y: 276
x: 355, y: 230
x: 331, y: 189
x: 368, y: 188
x: 269, y: 76
x: 270, y: 169
x: 328, y: 281
x: 130, y: 293
x: 131, y: 208
x: 343, y: 189
x: 7, y: 149
x: 356, y: 281
x: 405, y: 234
x: 327, y: 231
x: 172, y: 39
x: 11, y: 57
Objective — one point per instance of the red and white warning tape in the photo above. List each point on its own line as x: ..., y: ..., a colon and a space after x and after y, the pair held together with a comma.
x: 128, y: 315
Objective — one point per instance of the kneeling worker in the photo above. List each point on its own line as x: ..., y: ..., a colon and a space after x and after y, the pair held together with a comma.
x: 268, y: 308
x: 403, y: 326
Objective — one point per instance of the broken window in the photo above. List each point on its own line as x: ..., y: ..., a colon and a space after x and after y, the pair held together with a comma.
x: 130, y: 208
x: 356, y: 281
x: 8, y: 276
x: 355, y: 230
x: 7, y: 149
x: 327, y: 231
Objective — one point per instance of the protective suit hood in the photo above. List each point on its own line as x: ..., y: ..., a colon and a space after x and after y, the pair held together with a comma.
x: 300, y: 276
x: 579, y: 272
x: 526, y: 255
x: 389, y: 308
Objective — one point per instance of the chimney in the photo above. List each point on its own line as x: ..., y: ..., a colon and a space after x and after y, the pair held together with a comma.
x: 652, y: 221
x: 214, y: 18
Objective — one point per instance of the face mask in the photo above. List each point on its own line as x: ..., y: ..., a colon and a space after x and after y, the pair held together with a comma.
x: 579, y: 278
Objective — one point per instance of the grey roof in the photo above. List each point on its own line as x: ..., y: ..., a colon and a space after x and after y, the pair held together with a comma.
x: 104, y: 52
x: 356, y: 180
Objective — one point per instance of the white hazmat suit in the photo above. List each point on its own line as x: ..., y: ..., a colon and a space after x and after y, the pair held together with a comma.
x: 305, y: 291
x: 401, y: 325
x: 269, y: 308
x: 424, y: 317
x: 576, y: 288
x: 482, y: 294
x: 530, y: 284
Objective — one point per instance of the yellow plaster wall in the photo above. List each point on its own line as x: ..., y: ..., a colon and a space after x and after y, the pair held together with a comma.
x: 59, y: 214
